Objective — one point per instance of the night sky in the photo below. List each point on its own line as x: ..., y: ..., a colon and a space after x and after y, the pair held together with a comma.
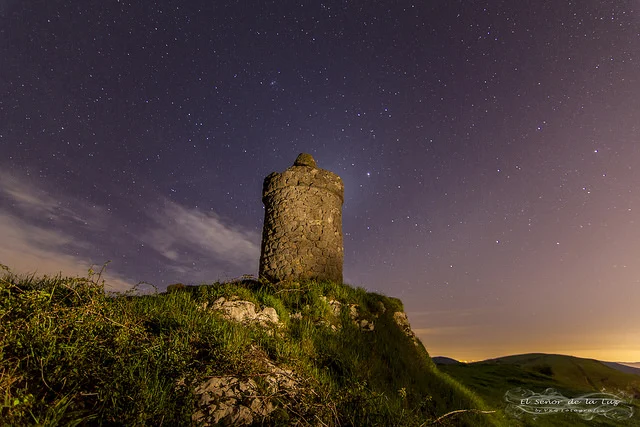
x: 490, y: 152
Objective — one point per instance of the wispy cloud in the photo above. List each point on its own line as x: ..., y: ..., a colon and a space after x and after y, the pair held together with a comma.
x: 34, y: 202
x: 33, y: 240
x: 178, y: 230
x: 30, y: 249
x: 48, y: 232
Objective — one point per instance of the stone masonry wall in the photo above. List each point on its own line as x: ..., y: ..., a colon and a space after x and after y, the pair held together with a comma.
x: 302, y: 233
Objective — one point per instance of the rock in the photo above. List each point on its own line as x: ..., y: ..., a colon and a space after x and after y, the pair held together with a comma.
x: 353, y: 311
x: 222, y: 401
x: 244, y: 312
x: 336, y: 307
x: 231, y: 401
x: 239, y: 311
x: 366, y: 325
x: 402, y: 321
x: 267, y: 315
x: 323, y: 322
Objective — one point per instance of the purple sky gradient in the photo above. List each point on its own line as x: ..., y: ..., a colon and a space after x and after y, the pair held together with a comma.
x: 489, y: 152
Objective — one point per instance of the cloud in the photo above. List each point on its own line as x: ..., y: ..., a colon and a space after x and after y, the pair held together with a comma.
x: 45, y: 232
x: 34, y: 239
x: 25, y: 196
x: 30, y: 249
x: 33, y: 202
x: 178, y: 231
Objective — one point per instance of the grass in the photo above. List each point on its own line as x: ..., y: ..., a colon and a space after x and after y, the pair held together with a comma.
x: 570, y: 376
x: 72, y: 355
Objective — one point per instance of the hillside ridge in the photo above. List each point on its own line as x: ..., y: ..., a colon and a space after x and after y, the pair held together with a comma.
x: 234, y: 353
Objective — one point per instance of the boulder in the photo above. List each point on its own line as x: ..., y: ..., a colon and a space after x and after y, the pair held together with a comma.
x: 402, y: 321
x: 228, y: 400
x: 245, y: 312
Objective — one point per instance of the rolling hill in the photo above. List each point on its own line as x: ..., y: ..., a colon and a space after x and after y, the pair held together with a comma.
x: 569, y: 377
x: 622, y: 367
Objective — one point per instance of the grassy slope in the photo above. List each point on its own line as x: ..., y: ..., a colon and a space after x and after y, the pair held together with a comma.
x: 571, y: 376
x: 71, y: 355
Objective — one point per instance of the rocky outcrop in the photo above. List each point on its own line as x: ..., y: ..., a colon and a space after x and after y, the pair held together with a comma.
x: 244, y: 312
x: 227, y: 400
x: 402, y: 321
x: 232, y: 401
x: 336, y: 308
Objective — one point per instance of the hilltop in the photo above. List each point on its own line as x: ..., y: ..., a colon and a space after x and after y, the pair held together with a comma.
x: 234, y: 353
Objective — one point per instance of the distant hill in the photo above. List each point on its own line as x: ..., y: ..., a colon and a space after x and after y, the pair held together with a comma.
x: 574, y: 372
x: 570, y: 376
x: 622, y: 367
x: 441, y: 360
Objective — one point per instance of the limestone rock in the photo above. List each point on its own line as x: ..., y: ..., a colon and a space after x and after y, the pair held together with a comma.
x: 334, y: 305
x: 231, y: 401
x: 353, y: 311
x: 366, y: 325
x: 336, y: 308
x: 402, y: 321
x: 238, y: 311
x: 226, y: 400
x: 245, y: 312
x: 267, y: 315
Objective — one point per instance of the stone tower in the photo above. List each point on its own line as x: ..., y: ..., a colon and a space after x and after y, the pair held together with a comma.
x: 302, y: 233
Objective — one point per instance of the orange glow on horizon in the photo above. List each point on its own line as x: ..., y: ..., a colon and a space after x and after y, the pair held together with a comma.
x: 469, y: 355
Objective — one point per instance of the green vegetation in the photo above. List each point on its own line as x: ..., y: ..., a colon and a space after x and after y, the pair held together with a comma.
x: 72, y: 355
x: 570, y: 376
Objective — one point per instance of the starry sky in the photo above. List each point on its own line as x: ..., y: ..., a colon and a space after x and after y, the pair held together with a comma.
x: 489, y: 151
